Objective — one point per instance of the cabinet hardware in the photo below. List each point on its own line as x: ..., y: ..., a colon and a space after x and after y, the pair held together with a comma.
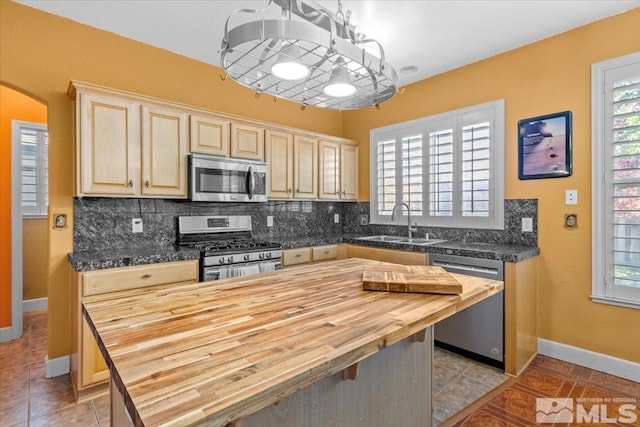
x: 130, y: 183
x: 344, y: 192
x: 289, y: 191
x: 146, y: 183
x: 297, y: 190
x: 326, y: 252
x: 146, y: 276
x: 298, y: 255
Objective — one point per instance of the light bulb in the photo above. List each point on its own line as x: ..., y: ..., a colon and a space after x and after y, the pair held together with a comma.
x: 288, y: 65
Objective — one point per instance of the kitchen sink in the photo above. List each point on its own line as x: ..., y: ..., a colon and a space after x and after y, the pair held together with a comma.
x: 401, y: 239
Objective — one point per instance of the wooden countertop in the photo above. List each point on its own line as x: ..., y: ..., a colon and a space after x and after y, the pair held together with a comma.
x: 221, y: 350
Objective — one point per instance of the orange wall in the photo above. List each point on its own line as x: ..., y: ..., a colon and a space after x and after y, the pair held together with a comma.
x: 549, y: 76
x: 13, y: 106
x: 40, y: 53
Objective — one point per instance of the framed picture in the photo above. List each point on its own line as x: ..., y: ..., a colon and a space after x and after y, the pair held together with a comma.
x: 544, y: 146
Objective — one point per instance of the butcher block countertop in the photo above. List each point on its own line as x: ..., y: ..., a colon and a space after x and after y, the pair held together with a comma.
x: 215, y: 352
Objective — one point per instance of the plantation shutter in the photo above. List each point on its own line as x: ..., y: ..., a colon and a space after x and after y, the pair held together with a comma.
x: 386, y: 173
x: 476, y: 169
x: 412, y: 173
x: 34, y: 170
x: 622, y: 181
x: 441, y: 173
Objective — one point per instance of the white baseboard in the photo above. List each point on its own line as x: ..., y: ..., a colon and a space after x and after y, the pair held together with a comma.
x: 590, y: 359
x: 5, y: 334
x: 56, y: 367
x: 35, y: 304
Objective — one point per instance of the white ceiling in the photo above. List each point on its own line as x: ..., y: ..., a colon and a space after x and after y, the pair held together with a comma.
x: 433, y: 35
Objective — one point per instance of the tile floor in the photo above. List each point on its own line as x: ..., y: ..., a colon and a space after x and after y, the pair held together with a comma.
x: 515, y: 406
x: 459, y: 381
x: 28, y: 399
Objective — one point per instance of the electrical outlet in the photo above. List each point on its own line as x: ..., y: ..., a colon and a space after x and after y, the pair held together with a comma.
x: 527, y: 225
x: 269, y: 220
x: 136, y: 225
x: 570, y: 221
x: 59, y: 220
x: 336, y: 218
x: 571, y: 197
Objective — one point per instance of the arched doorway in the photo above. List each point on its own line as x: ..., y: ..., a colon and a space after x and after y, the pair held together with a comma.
x: 23, y: 215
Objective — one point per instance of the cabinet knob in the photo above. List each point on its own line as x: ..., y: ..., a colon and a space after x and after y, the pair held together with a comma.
x: 289, y: 191
x: 130, y: 183
x: 146, y: 276
x: 298, y: 255
x: 337, y: 192
x: 297, y: 190
x: 344, y: 192
x: 146, y: 183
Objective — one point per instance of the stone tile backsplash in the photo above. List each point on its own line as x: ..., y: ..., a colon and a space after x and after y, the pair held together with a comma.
x: 105, y: 223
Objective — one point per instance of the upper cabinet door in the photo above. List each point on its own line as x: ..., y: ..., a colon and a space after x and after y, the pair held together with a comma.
x: 164, y: 152
x: 329, y: 170
x: 108, y: 146
x: 305, y: 167
x: 247, y: 142
x: 279, y: 154
x: 209, y: 135
x: 348, y: 172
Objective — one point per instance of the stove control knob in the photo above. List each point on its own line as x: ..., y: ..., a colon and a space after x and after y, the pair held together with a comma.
x: 221, y: 260
x: 246, y: 257
x: 268, y: 255
x: 261, y: 256
x: 230, y: 259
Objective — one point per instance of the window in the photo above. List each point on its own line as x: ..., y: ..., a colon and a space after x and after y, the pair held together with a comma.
x: 448, y: 168
x: 33, y: 143
x: 616, y: 181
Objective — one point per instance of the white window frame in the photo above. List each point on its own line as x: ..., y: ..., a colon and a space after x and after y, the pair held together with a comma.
x: 602, y: 287
x: 41, y: 207
x: 495, y: 110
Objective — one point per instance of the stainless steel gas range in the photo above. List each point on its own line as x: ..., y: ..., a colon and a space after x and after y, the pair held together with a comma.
x: 226, y: 246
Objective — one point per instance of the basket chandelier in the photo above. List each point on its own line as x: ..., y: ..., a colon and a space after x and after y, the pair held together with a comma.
x: 316, y: 59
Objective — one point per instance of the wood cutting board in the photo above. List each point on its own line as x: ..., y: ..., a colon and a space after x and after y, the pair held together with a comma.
x: 409, y: 278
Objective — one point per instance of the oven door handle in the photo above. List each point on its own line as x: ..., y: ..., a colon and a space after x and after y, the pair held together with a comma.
x: 251, y: 182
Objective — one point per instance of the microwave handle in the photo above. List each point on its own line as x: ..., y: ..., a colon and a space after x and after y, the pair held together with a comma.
x: 251, y: 182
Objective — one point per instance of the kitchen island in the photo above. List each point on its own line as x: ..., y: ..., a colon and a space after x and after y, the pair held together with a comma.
x: 308, y: 339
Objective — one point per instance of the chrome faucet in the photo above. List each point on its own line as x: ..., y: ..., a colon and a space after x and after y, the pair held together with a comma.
x: 393, y: 216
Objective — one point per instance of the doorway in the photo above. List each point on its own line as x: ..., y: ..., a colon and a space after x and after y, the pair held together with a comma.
x: 23, y: 127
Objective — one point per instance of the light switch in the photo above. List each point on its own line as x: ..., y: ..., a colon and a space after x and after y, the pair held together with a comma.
x: 571, y: 197
x: 269, y: 221
x: 527, y: 225
x: 336, y: 218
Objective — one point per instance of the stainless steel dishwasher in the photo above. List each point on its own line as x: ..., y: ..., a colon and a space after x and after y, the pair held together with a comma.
x: 477, y: 331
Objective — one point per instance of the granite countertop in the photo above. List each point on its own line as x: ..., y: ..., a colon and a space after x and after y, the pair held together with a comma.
x: 96, y: 260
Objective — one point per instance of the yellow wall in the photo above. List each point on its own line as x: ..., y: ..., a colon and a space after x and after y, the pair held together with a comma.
x: 549, y: 76
x: 16, y: 106
x: 35, y: 258
x: 40, y: 53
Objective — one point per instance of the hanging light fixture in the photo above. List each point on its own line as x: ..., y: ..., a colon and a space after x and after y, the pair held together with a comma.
x: 288, y: 66
x: 310, y: 55
x: 339, y: 84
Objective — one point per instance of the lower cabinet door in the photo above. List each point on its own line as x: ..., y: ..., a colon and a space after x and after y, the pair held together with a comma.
x: 94, y: 368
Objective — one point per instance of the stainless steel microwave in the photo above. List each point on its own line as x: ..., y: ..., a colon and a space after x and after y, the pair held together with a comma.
x: 222, y: 179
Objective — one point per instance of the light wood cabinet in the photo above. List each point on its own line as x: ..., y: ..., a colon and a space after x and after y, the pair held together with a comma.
x: 388, y: 255
x: 279, y: 156
x: 520, y: 319
x: 324, y: 253
x: 305, y: 167
x: 164, y: 152
x: 338, y: 171
x: 293, y: 165
x: 247, y: 142
x: 89, y: 373
x: 349, y: 172
x: 209, y: 135
x: 296, y: 256
x: 328, y: 170
x: 107, y: 146
x: 128, y: 148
